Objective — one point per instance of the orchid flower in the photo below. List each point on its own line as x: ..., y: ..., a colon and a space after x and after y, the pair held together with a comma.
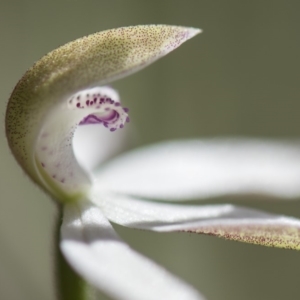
x: 66, y: 89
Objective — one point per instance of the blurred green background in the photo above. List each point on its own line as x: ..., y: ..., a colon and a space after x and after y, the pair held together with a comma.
x: 240, y: 77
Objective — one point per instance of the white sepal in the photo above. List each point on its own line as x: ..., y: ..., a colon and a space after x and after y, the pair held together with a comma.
x: 94, y: 250
x: 193, y: 169
x: 227, y: 221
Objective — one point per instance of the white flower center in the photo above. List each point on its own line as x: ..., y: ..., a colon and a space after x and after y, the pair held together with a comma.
x: 55, y: 159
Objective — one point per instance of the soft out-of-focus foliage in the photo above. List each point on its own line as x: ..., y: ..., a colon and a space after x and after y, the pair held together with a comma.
x: 239, y: 78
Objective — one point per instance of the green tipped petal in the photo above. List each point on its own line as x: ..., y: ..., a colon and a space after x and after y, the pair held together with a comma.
x: 40, y: 96
x: 226, y: 221
x: 283, y: 232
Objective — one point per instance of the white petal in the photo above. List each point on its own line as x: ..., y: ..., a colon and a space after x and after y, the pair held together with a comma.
x: 93, y: 144
x: 94, y: 250
x: 192, y: 169
x: 142, y: 214
x: 227, y: 221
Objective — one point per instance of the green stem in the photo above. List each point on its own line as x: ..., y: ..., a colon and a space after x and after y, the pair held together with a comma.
x: 69, y: 285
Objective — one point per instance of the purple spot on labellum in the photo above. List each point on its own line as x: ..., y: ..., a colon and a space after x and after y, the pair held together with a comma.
x: 90, y: 119
x: 78, y: 97
x: 54, y: 176
x: 43, y: 165
x: 107, y: 111
x: 63, y: 180
x: 111, y: 116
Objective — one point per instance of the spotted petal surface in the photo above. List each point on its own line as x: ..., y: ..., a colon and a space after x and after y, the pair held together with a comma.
x: 43, y: 110
x: 226, y: 221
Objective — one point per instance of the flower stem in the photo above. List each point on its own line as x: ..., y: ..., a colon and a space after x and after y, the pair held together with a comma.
x: 69, y: 285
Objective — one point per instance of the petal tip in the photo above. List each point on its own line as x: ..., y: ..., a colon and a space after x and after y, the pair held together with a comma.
x: 193, y: 32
